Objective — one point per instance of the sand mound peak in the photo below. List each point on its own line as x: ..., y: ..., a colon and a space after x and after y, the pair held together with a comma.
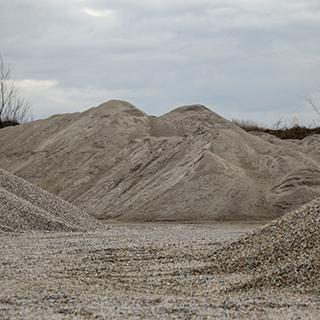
x: 112, y: 107
x: 192, y: 108
x: 25, y: 207
x: 196, y: 112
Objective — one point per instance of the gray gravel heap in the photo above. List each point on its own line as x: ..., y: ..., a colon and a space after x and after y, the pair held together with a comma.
x: 25, y: 207
x: 284, y: 253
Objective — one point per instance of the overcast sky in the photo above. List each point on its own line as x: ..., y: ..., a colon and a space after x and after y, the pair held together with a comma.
x: 246, y: 59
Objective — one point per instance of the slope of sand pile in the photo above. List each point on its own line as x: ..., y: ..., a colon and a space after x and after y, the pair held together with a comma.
x: 284, y: 253
x: 115, y: 161
x: 25, y: 207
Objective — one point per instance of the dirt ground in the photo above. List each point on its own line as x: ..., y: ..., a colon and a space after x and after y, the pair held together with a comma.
x: 132, y: 271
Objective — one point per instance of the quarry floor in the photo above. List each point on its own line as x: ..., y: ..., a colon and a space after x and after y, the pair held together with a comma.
x: 132, y: 271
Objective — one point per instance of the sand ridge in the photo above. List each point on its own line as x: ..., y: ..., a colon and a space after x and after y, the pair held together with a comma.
x: 115, y: 161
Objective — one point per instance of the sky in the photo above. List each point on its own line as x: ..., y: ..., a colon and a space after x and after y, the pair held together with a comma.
x: 244, y: 59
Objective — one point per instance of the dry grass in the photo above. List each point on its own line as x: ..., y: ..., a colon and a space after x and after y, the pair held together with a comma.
x: 8, y: 123
x: 285, y: 132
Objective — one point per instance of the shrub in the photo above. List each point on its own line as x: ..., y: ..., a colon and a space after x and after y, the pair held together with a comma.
x: 293, y: 132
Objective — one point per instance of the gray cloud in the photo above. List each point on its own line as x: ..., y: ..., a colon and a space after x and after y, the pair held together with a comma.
x: 243, y: 58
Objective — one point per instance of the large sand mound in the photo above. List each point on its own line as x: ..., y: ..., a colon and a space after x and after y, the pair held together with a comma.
x: 25, y: 207
x: 284, y: 253
x: 115, y: 161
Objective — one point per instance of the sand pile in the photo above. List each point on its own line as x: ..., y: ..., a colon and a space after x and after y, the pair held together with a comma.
x: 284, y: 253
x: 25, y: 207
x: 115, y: 161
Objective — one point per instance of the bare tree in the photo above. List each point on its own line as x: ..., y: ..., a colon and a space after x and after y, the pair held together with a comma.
x: 313, y: 104
x: 313, y: 101
x: 13, y: 109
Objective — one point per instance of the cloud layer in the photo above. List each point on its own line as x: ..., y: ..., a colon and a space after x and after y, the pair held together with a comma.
x: 248, y: 59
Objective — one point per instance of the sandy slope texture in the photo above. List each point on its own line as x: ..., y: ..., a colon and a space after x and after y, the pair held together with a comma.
x: 115, y: 161
x: 284, y: 253
x: 25, y: 207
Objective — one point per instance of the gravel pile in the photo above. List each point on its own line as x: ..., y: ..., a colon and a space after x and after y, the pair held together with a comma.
x: 284, y: 253
x: 25, y: 207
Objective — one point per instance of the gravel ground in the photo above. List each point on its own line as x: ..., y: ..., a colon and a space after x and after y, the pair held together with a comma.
x: 133, y: 271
